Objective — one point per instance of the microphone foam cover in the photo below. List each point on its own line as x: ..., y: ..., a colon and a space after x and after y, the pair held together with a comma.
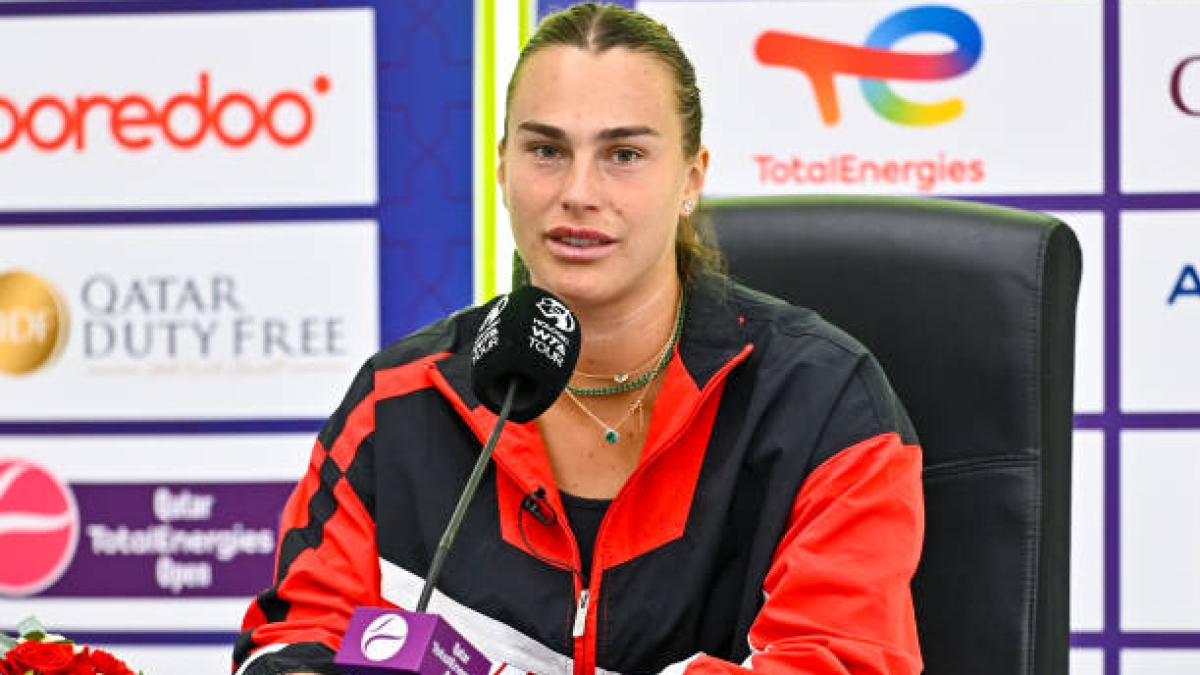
x: 528, y: 336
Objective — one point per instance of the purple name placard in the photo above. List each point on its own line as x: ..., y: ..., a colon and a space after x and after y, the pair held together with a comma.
x: 379, y: 641
x: 173, y: 539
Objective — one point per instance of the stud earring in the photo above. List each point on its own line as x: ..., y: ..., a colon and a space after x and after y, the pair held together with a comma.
x: 687, y: 207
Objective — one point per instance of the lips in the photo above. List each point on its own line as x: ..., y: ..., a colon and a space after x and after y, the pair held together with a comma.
x: 579, y: 243
x: 579, y: 237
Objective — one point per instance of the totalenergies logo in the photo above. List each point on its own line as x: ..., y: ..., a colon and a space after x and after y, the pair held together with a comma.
x: 39, y: 527
x: 33, y: 322
x: 134, y: 121
x: 876, y: 63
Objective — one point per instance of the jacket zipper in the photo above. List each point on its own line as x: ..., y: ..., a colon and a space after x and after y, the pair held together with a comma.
x: 581, y: 610
x: 585, y: 666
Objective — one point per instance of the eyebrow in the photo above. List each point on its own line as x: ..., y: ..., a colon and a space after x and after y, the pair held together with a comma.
x: 606, y: 134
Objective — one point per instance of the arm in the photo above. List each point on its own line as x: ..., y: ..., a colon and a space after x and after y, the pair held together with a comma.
x: 837, y: 594
x: 327, y: 563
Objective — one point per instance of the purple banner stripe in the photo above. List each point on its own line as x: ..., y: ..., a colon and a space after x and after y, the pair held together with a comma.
x: 1185, y: 420
x: 1112, y: 334
x: 1088, y: 641
x: 1159, y: 420
x: 1079, y: 202
x: 158, y: 638
x: 37, y: 7
x: 1161, y: 201
x: 1093, y: 202
x: 1135, y: 641
x: 152, y: 427
x: 188, y: 216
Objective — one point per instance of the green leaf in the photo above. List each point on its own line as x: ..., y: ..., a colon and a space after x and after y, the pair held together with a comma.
x: 29, y: 626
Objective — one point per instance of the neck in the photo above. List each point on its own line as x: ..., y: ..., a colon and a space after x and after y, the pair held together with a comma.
x: 617, y: 339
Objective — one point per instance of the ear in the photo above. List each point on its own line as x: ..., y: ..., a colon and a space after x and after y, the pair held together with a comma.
x: 500, y: 169
x: 696, y: 173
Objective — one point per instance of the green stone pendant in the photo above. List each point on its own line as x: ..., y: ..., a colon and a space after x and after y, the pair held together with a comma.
x: 612, y: 436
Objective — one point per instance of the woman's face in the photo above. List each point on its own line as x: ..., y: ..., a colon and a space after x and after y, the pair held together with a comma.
x: 594, y: 175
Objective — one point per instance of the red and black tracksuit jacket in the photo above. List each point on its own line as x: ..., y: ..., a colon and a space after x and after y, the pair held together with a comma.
x: 773, y: 524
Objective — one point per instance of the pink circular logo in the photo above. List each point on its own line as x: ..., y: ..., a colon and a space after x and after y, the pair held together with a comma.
x: 39, y: 526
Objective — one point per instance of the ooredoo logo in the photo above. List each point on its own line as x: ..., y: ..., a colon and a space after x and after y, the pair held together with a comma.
x: 134, y: 121
x: 384, y: 637
x: 876, y: 63
x: 33, y: 322
x: 39, y: 526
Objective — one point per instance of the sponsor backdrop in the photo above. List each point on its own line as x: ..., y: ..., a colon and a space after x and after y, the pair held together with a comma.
x: 211, y: 212
x: 1087, y: 109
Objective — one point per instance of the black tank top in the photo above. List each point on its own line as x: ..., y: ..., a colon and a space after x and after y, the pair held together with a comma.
x: 584, y: 516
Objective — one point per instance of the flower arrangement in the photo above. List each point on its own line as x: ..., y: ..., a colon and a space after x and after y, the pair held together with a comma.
x: 36, y: 652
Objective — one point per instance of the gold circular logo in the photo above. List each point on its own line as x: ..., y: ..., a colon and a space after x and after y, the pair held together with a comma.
x: 33, y: 322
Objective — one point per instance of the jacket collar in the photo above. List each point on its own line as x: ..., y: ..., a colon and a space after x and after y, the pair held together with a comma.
x: 714, y: 338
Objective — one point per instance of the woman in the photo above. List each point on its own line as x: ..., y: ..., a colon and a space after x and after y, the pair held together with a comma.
x: 727, y: 483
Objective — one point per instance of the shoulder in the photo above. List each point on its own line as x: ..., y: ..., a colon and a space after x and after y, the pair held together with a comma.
x: 450, y: 335
x: 785, y: 331
x: 398, y: 368
x: 808, y: 359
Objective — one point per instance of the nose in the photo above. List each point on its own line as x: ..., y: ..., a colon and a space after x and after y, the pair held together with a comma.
x: 581, y: 191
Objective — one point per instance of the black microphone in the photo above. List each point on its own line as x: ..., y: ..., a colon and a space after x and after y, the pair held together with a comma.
x: 522, y: 358
x: 529, y: 339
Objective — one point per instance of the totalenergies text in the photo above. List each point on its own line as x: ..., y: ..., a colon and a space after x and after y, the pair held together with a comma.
x: 925, y: 174
x: 134, y: 121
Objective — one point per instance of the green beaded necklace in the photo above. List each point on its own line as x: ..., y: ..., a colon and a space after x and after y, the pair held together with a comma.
x: 650, y: 374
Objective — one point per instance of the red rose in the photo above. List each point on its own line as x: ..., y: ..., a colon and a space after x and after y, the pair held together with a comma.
x: 107, y: 664
x: 43, y: 658
x: 83, y: 663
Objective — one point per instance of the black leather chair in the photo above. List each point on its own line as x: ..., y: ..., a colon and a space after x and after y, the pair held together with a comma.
x: 971, y: 310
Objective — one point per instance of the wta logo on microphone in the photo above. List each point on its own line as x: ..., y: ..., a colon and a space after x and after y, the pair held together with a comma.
x: 384, y: 637
x: 548, y: 340
x: 489, y: 331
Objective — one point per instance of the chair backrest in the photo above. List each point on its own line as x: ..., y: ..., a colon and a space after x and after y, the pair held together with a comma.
x: 970, y: 309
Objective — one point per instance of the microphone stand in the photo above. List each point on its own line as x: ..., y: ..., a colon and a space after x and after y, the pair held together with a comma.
x: 464, y: 500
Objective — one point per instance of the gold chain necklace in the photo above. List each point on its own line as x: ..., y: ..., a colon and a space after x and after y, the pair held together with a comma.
x: 612, y: 433
x: 622, y: 378
x: 661, y: 359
